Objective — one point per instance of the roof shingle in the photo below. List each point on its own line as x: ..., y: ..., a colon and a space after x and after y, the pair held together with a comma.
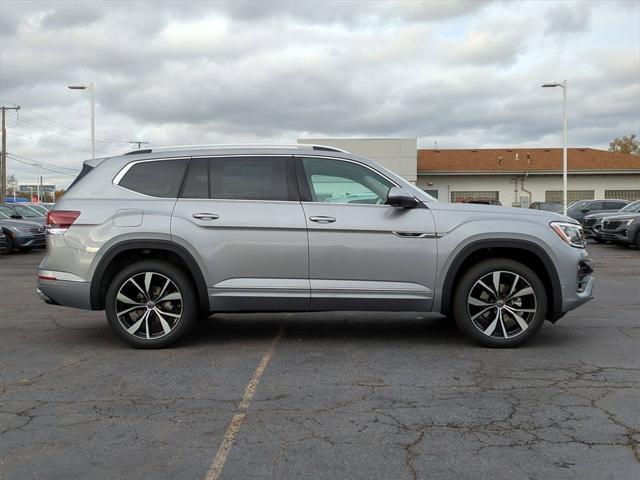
x: 523, y: 159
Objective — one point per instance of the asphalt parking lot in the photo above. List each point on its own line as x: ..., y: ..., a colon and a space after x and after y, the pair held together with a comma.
x: 338, y: 395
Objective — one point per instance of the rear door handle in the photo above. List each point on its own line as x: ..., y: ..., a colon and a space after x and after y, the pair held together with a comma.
x: 322, y: 219
x: 206, y: 216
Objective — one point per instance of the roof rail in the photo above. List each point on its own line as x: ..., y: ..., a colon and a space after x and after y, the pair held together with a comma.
x: 293, y: 146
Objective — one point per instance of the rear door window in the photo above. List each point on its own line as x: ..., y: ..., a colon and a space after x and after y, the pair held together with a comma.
x: 158, y: 178
x: 250, y: 178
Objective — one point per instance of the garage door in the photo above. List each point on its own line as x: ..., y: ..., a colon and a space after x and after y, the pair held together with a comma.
x: 630, y: 195
x: 467, y: 196
x: 556, y: 196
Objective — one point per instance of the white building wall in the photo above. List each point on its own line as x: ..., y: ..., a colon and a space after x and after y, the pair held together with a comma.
x: 397, y: 154
x: 537, y: 184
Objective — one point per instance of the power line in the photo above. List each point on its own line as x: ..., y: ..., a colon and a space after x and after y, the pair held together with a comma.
x: 39, y: 124
x: 44, y: 163
x: 61, y: 124
x: 77, y: 147
x: 41, y: 166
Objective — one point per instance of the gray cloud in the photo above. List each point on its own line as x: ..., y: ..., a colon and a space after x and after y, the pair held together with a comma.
x: 464, y: 73
x: 567, y: 18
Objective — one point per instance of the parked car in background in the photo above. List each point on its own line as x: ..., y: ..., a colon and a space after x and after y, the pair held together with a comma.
x: 623, y: 229
x: 23, y: 212
x: 38, y: 207
x: 362, y: 198
x: 20, y: 234
x: 592, y: 223
x: 177, y: 232
x: 548, y: 206
x: 579, y: 210
x: 486, y: 202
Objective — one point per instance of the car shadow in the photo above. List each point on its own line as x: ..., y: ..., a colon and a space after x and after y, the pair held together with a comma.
x: 333, y: 326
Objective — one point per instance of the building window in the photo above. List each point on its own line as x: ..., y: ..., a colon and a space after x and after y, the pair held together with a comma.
x: 467, y: 196
x: 433, y: 193
x: 622, y: 194
x: 556, y: 196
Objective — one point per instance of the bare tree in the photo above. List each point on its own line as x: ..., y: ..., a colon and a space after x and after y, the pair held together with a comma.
x: 625, y: 144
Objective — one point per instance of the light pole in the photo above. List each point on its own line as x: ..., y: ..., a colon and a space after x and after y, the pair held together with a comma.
x: 563, y: 85
x: 93, y: 114
x: 37, y: 165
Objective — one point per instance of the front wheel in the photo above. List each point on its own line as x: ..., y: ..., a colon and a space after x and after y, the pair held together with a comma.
x: 8, y: 247
x: 151, y: 304
x: 500, y: 303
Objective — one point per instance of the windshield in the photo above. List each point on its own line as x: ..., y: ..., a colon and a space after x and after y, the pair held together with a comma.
x: 4, y: 215
x: 26, y: 211
x: 577, y: 205
x: 631, y: 208
x: 39, y: 209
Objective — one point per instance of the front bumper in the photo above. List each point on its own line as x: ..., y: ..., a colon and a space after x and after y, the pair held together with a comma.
x: 619, y: 235
x: 575, y: 269
x: 29, y: 240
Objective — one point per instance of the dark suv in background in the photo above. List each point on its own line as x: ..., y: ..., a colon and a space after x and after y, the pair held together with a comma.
x: 592, y: 223
x: 579, y: 210
x: 623, y: 229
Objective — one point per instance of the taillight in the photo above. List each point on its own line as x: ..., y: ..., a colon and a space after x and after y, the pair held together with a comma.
x: 58, y: 221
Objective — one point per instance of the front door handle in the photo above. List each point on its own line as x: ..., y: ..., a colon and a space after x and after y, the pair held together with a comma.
x: 322, y: 219
x: 206, y: 216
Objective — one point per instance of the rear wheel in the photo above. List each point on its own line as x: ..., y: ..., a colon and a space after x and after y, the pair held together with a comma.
x: 500, y: 303
x: 151, y: 304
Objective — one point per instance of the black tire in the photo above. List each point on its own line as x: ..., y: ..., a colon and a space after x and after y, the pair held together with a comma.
x: 507, y: 331
x: 180, y: 285
x: 9, y: 246
x: 25, y: 249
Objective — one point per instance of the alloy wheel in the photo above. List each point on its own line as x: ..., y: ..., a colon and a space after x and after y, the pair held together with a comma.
x: 502, y: 304
x: 149, y: 305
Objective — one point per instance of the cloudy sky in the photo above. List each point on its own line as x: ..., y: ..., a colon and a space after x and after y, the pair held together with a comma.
x: 462, y: 73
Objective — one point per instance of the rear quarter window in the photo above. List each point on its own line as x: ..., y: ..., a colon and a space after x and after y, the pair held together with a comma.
x: 158, y: 178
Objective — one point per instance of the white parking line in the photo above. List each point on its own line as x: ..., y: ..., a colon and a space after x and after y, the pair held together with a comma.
x: 215, y: 470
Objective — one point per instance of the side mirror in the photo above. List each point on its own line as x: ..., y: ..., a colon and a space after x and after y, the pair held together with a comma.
x: 585, y: 210
x: 401, y: 198
x: 16, y: 216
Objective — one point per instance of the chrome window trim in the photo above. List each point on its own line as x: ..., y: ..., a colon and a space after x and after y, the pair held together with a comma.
x: 123, y: 171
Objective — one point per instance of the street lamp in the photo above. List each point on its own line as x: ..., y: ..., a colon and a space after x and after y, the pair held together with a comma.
x: 563, y: 85
x: 93, y: 111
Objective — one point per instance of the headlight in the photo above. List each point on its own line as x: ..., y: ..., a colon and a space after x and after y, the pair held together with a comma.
x: 570, y: 233
x: 17, y: 229
x: 629, y: 221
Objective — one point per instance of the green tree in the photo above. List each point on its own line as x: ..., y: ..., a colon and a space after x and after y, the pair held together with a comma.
x: 625, y: 144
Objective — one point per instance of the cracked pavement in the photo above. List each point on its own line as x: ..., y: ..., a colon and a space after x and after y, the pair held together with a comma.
x: 346, y: 395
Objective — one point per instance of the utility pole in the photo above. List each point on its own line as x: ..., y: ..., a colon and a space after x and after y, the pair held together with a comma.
x: 139, y: 143
x: 3, y: 155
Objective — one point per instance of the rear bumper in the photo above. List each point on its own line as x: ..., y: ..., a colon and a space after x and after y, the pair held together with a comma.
x: 65, y: 293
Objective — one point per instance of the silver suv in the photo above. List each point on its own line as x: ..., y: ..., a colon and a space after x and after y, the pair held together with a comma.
x: 160, y: 237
